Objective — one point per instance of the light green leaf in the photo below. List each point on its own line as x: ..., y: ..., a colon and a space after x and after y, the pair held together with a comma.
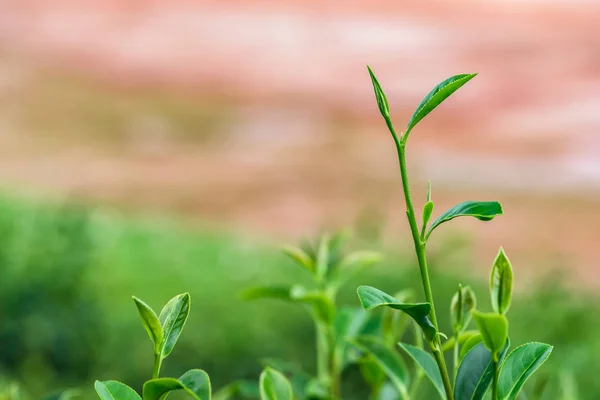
x: 428, y: 364
x: 437, y: 95
x: 195, y: 382
x: 463, y: 337
x: 426, y: 215
x: 267, y: 292
x: 382, y: 101
x: 113, y: 390
x: 300, y: 257
x: 501, y: 283
x: 470, y: 343
x: 150, y: 322
x: 482, y: 210
x: 520, y: 364
x: 371, y: 297
x: 321, y: 305
x: 274, y: 386
x: 463, y: 302
x: 387, y: 358
x: 493, y: 329
x: 475, y: 373
x: 172, y: 318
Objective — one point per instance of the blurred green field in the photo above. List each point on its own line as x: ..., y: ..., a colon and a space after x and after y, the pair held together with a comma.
x: 67, y: 273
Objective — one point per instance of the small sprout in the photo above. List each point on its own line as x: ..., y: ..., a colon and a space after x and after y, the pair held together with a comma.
x: 501, y: 283
x: 463, y: 302
x: 382, y: 102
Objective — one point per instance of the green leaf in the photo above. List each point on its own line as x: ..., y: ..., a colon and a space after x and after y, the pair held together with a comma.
x: 493, y: 329
x: 172, y: 318
x: 151, y: 323
x: 475, y: 373
x: 427, y: 211
x: 195, y: 382
x: 470, y: 343
x: 274, y: 386
x: 463, y: 302
x: 300, y: 257
x: 437, y: 95
x: 501, y: 283
x: 267, y: 292
x: 113, y: 390
x: 520, y: 364
x: 321, y: 305
x: 463, y: 337
x: 382, y: 101
x: 371, y: 297
x: 482, y: 210
x: 428, y: 364
x: 387, y: 358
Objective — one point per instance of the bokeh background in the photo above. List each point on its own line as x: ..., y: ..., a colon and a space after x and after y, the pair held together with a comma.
x: 151, y: 148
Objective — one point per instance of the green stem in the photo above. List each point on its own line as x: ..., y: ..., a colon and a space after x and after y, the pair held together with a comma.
x: 455, y: 354
x: 322, y: 351
x: 421, y: 257
x: 157, y: 364
x: 495, y: 379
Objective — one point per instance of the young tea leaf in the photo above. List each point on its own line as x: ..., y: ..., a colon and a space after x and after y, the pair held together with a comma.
x: 501, y: 283
x: 172, y: 318
x: 195, y: 382
x: 493, y: 328
x: 475, y: 373
x: 300, y: 257
x: 463, y: 302
x: 371, y: 297
x: 151, y: 323
x: 113, y: 390
x: 437, y: 95
x: 388, y: 360
x: 274, y: 386
x: 427, y: 211
x: 520, y: 364
x: 428, y: 364
x: 482, y: 210
x: 382, y: 101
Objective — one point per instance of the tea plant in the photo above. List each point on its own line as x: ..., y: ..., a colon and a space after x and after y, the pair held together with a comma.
x: 482, y: 361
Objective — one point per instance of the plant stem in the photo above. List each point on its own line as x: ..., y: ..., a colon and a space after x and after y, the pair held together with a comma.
x: 422, y: 259
x: 157, y: 364
x: 495, y: 379
x: 455, y: 364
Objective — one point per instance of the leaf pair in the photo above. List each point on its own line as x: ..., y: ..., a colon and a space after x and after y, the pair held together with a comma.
x: 195, y: 383
x: 164, y: 330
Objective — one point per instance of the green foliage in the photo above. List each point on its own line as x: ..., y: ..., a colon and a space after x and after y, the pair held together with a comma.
x: 274, y: 386
x: 520, y: 364
x: 501, y: 282
x: 475, y: 373
x: 194, y: 382
x: 481, y: 210
x: 493, y: 329
x: 426, y: 362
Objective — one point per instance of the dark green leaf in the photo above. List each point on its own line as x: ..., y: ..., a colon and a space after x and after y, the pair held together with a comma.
x: 501, y: 283
x: 300, y: 257
x: 437, y: 95
x: 428, y: 364
x: 321, y: 305
x: 274, y: 386
x: 475, y: 373
x: 172, y: 318
x: 382, y: 102
x: 371, y: 297
x: 520, y: 364
x: 388, y: 360
x: 267, y: 292
x: 470, y: 343
x: 493, y: 329
x: 195, y: 382
x: 150, y: 322
x: 482, y: 210
x: 113, y: 390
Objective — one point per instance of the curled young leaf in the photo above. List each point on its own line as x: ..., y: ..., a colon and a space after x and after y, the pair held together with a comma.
x: 172, y: 318
x: 113, y: 390
x: 371, y: 297
x: 520, y: 364
x: 382, y: 101
x: 463, y: 302
x: 436, y: 96
x: 501, y: 283
x: 274, y: 385
x: 482, y: 210
x: 493, y: 328
x: 195, y: 382
x: 150, y: 322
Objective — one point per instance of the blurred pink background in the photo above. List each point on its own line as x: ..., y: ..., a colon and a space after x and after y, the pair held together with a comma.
x: 259, y: 115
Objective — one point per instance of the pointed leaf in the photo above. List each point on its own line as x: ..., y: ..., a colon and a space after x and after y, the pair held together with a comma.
x: 426, y: 215
x: 267, y: 292
x: 195, y: 382
x: 493, y: 329
x: 300, y: 257
x: 382, y: 101
x: 151, y: 323
x: 113, y: 390
x: 437, y: 95
x: 390, y: 361
x: 482, y: 210
x: 501, y: 282
x: 520, y: 364
x: 475, y: 373
x: 274, y: 385
x: 428, y: 364
x: 172, y: 318
x: 371, y: 297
